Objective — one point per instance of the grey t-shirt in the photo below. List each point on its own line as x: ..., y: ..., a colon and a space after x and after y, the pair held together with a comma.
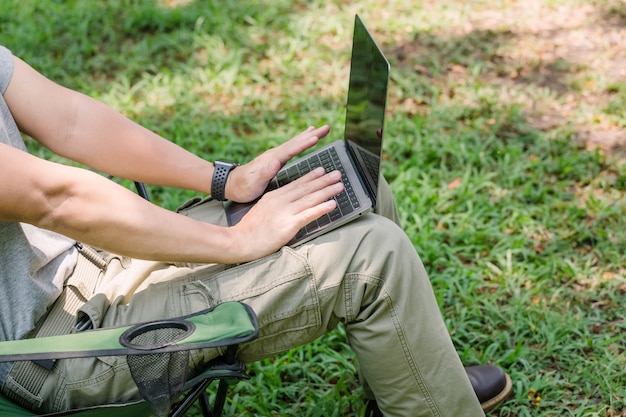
x: 33, y: 262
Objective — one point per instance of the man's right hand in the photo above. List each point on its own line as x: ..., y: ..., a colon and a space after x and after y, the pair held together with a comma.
x: 280, y: 214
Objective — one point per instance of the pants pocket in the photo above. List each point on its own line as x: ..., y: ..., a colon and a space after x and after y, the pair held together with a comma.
x: 280, y: 289
x: 94, y: 381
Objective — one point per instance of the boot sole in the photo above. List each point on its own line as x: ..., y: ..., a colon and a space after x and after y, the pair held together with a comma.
x: 502, y: 395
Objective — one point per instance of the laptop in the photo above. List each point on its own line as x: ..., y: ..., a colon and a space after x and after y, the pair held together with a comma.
x: 357, y: 156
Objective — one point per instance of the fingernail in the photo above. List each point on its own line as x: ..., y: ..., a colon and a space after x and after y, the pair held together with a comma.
x: 335, y: 175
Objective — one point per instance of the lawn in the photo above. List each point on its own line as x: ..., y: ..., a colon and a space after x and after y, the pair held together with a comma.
x: 505, y: 146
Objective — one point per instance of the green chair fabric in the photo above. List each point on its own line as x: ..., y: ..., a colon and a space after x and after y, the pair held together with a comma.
x: 225, y: 325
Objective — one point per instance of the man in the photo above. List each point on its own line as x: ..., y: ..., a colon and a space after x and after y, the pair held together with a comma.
x: 366, y: 275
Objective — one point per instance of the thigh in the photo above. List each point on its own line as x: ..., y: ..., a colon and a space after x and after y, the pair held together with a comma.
x: 279, y: 288
x: 297, y: 293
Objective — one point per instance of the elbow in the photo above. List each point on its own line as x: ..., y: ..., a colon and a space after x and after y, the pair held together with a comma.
x: 60, y: 211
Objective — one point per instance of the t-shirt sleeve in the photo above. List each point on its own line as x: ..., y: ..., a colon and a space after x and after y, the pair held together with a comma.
x: 6, y: 68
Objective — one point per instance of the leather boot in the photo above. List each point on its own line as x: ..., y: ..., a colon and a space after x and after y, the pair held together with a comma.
x: 491, y: 385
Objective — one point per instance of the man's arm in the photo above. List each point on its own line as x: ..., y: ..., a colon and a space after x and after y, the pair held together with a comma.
x: 90, y: 208
x: 87, y: 131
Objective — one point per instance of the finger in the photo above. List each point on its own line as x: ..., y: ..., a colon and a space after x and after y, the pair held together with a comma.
x: 305, y: 182
x: 316, y: 211
x: 314, y: 187
x: 320, y: 196
x: 315, y: 204
x: 300, y: 143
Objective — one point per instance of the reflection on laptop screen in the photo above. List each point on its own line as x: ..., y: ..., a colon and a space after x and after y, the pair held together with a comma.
x: 367, y: 97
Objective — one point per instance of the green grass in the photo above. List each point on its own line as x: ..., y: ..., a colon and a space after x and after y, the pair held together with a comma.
x: 520, y: 221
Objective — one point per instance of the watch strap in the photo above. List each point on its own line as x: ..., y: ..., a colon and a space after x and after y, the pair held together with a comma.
x: 220, y: 175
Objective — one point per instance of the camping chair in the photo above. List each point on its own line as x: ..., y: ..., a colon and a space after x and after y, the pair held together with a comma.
x: 157, y: 355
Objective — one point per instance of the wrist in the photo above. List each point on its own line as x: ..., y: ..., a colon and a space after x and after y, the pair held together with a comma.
x: 236, y: 246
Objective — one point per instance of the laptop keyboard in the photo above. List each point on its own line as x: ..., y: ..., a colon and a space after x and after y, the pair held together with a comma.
x: 372, y: 163
x: 347, y: 200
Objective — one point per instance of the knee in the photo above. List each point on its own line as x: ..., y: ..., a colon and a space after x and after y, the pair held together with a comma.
x: 383, y: 236
x: 370, y: 237
x: 389, y: 251
x: 373, y: 243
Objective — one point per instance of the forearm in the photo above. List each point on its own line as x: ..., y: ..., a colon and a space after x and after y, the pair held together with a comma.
x: 103, y: 214
x: 105, y: 140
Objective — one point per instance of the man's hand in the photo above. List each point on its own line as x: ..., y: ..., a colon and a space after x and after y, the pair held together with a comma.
x: 279, y: 214
x: 247, y: 182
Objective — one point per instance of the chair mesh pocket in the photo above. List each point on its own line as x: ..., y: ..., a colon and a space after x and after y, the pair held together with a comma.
x: 160, y: 377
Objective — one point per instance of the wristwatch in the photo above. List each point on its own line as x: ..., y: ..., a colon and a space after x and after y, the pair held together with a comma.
x: 220, y: 175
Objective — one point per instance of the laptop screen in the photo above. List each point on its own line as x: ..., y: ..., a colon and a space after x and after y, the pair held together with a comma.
x: 367, y: 97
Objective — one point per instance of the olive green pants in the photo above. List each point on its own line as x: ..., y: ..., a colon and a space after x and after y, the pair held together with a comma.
x: 366, y: 275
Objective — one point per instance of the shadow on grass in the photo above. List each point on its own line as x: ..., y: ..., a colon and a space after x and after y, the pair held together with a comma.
x: 100, y: 39
x: 561, y: 76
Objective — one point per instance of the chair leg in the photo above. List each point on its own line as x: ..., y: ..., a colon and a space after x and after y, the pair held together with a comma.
x: 199, y: 393
x: 205, y: 407
x: 230, y: 369
x: 195, y: 393
x: 220, y: 398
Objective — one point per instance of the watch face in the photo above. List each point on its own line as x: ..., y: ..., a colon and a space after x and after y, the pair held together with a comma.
x: 225, y: 165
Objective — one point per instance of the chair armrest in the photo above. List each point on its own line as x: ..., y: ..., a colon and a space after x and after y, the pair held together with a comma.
x: 226, y: 324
